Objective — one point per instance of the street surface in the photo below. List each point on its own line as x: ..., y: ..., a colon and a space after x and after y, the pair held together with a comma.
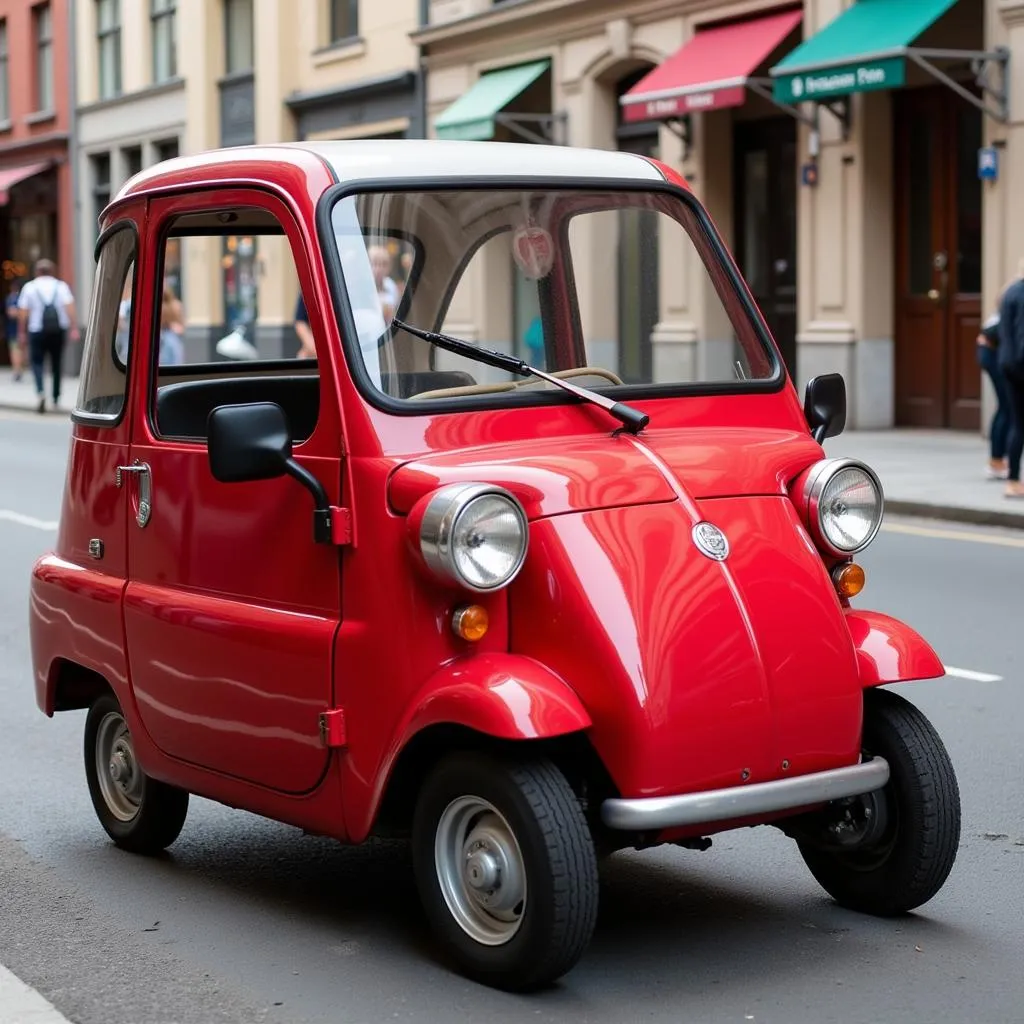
x: 246, y: 920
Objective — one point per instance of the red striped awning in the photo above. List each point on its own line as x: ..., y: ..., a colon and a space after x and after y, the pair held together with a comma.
x: 10, y: 176
x: 711, y: 70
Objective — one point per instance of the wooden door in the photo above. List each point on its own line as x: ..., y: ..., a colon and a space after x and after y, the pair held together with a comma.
x: 938, y: 259
x: 765, y: 210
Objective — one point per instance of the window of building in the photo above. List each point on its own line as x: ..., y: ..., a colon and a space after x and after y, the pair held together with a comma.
x: 131, y: 161
x: 344, y: 20
x: 163, y: 16
x: 101, y: 186
x: 43, y: 25
x: 238, y: 36
x: 167, y: 149
x: 108, y: 35
x: 5, y: 95
x: 103, y: 380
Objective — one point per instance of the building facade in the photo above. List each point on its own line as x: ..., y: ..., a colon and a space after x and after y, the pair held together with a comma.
x: 36, y: 120
x: 255, y: 72
x: 131, y: 106
x: 864, y: 161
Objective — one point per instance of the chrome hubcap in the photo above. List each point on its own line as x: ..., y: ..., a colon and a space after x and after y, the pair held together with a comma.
x: 118, y: 772
x: 480, y: 870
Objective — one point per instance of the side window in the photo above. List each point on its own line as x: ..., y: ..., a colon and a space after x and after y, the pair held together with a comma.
x: 233, y: 328
x: 104, y: 378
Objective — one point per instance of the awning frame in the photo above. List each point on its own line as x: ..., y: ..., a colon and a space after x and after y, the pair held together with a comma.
x: 552, y: 128
x: 838, y: 107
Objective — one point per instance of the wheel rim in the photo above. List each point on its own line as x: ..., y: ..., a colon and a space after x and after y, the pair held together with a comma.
x: 118, y: 772
x: 480, y: 870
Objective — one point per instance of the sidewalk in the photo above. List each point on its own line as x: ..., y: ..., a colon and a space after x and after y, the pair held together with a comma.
x: 933, y: 473
x: 21, y: 395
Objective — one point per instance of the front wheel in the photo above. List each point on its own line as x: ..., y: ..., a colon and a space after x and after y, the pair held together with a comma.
x: 139, y: 813
x: 506, y: 869
x: 911, y: 827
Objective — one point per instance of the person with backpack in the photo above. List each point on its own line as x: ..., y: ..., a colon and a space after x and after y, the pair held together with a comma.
x: 47, y: 315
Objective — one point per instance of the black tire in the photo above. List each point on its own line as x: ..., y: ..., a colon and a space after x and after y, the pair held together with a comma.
x: 912, y: 858
x: 559, y: 910
x: 160, y: 809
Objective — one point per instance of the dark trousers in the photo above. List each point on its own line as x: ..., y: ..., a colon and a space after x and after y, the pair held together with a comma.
x: 1015, y: 443
x: 41, y: 346
x: 999, y: 430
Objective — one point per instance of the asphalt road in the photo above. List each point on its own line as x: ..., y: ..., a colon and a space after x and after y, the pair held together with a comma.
x: 246, y: 920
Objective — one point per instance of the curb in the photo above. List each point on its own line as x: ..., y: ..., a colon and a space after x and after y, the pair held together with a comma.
x: 956, y: 513
x: 21, y: 407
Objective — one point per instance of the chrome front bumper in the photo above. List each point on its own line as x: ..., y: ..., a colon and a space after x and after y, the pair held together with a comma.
x: 661, y: 812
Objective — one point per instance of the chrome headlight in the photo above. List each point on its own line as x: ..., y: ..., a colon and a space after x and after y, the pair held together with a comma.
x: 474, y: 534
x: 844, y: 504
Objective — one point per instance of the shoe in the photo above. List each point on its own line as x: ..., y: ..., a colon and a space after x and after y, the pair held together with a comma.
x: 41, y: 407
x: 997, y: 470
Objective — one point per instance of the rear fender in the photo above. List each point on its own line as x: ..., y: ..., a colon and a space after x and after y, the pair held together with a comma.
x: 501, y: 696
x: 888, y: 651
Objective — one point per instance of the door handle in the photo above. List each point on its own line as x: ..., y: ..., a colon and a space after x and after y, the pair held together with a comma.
x: 145, y: 488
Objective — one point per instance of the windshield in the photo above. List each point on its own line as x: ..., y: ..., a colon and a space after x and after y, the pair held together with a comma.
x: 620, y: 291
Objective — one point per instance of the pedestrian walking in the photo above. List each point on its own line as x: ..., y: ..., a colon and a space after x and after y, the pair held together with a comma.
x: 999, y: 428
x: 14, y: 349
x: 1011, y: 362
x: 47, y: 315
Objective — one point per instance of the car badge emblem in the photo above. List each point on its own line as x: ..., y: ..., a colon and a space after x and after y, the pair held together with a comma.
x: 710, y: 541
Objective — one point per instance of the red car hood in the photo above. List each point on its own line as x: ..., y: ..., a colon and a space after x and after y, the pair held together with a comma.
x: 552, y: 476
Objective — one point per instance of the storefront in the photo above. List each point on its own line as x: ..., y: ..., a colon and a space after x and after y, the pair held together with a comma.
x: 863, y: 160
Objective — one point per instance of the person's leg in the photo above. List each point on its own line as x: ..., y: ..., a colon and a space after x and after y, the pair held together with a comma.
x: 999, y: 428
x: 56, y: 344
x: 1015, y: 443
x: 37, y: 353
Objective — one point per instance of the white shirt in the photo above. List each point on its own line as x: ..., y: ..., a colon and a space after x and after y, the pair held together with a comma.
x: 36, y: 294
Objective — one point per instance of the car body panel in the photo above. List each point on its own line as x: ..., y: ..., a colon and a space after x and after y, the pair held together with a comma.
x: 889, y: 651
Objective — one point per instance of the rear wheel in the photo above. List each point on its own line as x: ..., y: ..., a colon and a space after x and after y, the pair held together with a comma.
x: 893, y: 850
x: 506, y: 869
x: 139, y: 813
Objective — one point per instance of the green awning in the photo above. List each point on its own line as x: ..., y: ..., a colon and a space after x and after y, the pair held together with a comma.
x: 472, y: 116
x: 865, y: 48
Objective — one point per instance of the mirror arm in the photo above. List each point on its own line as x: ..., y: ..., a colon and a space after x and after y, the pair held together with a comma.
x: 819, y: 432
x: 322, y: 510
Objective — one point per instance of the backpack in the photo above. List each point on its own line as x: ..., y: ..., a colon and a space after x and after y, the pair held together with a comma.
x: 51, y: 315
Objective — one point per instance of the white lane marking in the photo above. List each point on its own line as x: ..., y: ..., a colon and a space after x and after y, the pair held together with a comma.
x: 17, y: 517
x: 974, y: 677
x: 20, y: 1004
x: 965, y: 535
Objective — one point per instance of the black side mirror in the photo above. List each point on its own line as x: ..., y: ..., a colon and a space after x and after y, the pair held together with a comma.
x: 253, y: 442
x: 248, y: 442
x: 825, y: 405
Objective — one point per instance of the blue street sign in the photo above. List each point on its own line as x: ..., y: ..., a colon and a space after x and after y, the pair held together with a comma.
x: 988, y: 163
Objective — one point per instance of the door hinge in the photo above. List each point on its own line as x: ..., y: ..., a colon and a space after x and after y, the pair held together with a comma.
x: 332, y: 728
x: 341, y: 526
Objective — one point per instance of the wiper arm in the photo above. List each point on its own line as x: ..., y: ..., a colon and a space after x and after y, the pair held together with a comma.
x: 631, y: 419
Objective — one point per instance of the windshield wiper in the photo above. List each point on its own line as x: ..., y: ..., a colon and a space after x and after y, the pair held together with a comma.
x: 631, y: 419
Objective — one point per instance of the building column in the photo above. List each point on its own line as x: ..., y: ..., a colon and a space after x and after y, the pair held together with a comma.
x: 201, y: 64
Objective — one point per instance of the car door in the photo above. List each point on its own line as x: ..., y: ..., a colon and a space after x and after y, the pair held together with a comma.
x: 231, y: 609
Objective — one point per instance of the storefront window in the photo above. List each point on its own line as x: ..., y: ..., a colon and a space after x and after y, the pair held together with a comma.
x: 241, y: 307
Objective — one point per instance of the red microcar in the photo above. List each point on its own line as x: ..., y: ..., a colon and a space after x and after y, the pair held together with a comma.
x: 458, y: 492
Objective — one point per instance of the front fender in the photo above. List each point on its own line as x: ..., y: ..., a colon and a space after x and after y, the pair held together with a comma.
x: 888, y: 651
x: 505, y: 696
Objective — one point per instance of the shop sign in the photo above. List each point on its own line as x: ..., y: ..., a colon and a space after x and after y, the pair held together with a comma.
x: 688, y: 103
x: 840, y: 81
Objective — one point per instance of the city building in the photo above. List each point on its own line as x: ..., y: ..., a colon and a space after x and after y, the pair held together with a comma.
x: 131, y: 106
x: 864, y: 161
x: 256, y: 72
x: 36, y: 122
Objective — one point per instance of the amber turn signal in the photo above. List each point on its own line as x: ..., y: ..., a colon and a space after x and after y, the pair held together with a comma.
x: 470, y: 622
x: 848, y: 579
